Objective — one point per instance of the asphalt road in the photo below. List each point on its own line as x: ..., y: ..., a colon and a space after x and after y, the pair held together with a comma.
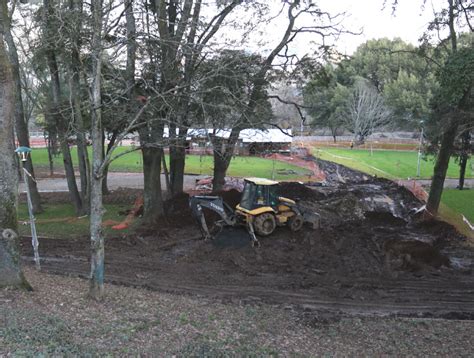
x: 115, y: 181
x: 135, y: 181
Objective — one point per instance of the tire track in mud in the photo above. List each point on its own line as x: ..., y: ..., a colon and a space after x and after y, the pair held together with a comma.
x: 428, y: 298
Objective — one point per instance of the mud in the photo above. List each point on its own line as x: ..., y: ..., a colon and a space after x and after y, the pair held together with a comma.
x: 371, y: 256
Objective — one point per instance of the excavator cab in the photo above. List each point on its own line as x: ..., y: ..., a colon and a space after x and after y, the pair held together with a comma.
x: 259, y: 193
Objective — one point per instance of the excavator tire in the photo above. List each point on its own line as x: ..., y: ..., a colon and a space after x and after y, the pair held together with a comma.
x: 295, y: 223
x: 264, y: 224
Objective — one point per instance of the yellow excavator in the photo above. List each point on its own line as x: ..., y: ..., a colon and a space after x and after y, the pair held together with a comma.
x: 261, y: 210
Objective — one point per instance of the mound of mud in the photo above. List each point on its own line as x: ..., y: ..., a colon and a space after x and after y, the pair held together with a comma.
x: 297, y: 191
x: 413, y: 255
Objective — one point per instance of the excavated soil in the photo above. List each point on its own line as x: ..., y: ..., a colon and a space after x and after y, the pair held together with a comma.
x: 372, y: 256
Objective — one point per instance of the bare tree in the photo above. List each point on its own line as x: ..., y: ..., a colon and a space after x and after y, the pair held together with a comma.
x: 21, y: 123
x: 10, y: 271
x: 50, y: 37
x: 365, y: 111
x: 323, y: 25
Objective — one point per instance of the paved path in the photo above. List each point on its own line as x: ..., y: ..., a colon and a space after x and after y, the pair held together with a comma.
x: 448, y: 183
x: 115, y: 181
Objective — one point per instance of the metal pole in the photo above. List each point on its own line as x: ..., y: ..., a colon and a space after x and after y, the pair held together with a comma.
x: 34, y: 237
x: 419, y: 154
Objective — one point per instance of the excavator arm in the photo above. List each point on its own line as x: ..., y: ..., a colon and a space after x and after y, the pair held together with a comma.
x: 227, y: 214
x: 214, y: 203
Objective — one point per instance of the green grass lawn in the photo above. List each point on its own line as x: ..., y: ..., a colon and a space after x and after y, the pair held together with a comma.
x: 460, y: 200
x: 52, y: 222
x: 389, y: 164
x: 195, y: 164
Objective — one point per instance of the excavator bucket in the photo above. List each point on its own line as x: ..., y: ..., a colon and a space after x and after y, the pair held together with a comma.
x: 311, y: 217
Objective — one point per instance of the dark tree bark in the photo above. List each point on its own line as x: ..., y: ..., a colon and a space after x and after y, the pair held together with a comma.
x: 21, y: 125
x: 463, y: 158
x: 440, y: 169
x: 177, y: 161
x: 75, y: 6
x: 153, y: 199
x: 10, y: 271
x: 56, y: 101
x: 152, y: 193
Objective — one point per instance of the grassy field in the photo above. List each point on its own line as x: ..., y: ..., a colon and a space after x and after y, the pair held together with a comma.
x: 389, y: 164
x: 460, y: 200
x: 52, y: 222
x: 195, y: 164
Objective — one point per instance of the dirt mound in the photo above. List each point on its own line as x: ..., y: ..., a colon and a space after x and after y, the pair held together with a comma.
x: 298, y: 191
x: 231, y: 197
x: 177, y: 211
x: 413, y: 255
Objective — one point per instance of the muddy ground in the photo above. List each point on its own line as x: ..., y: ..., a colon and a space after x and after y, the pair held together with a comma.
x: 372, y: 256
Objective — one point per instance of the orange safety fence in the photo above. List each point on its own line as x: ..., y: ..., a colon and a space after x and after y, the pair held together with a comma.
x: 137, y: 206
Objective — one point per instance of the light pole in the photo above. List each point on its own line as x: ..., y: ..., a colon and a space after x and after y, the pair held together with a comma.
x: 23, y: 153
x: 419, y: 151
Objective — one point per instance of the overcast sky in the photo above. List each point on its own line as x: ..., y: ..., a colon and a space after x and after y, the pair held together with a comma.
x: 409, y: 21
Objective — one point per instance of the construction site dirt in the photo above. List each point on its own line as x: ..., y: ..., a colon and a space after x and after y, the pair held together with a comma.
x: 373, y: 255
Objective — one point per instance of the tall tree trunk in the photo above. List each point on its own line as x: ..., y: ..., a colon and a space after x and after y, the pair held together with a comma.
x: 166, y: 172
x: 223, y: 151
x: 75, y: 86
x: 465, y: 146
x: 10, y: 271
x: 448, y: 137
x: 56, y: 101
x: 221, y: 164
x: 150, y: 138
x: 440, y: 169
x: 152, y: 194
x: 177, y: 161
x: 21, y: 125
x: 96, y: 287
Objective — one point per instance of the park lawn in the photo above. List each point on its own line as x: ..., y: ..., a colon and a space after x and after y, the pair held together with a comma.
x: 195, y: 164
x: 460, y: 200
x: 60, y: 221
x: 389, y: 164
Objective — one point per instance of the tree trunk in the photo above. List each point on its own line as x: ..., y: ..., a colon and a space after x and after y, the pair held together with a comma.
x: 440, y: 169
x: 465, y: 145
x: 223, y: 150
x: 178, y: 161
x: 50, y: 158
x: 153, y: 200
x: 96, y: 287
x: 21, y: 125
x: 221, y: 164
x: 75, y: 86
x: 10, y: 271
x: 56, y: 101
x: 166, y: 172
